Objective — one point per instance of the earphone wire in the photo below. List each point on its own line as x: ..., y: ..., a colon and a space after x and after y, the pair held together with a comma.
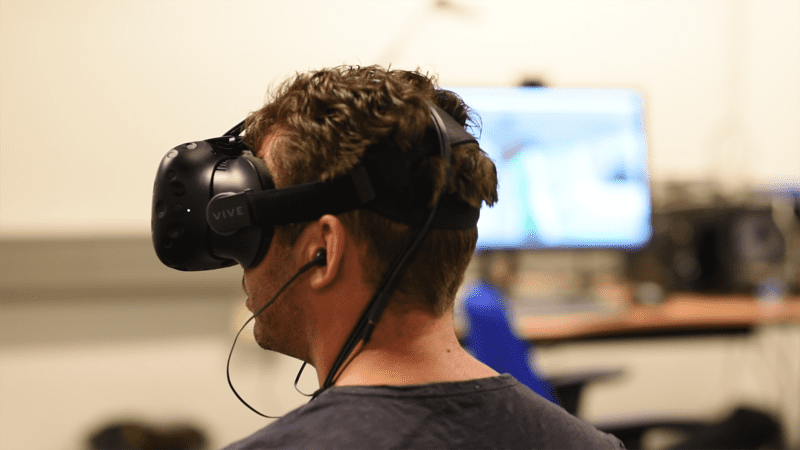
x: 301, y: 271
x: 297, y: 380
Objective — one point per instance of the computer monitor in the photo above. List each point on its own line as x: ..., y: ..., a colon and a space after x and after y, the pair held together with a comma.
x: 572, y: 167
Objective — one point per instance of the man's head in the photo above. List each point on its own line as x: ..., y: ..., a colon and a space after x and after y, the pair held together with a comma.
x: 319, y: 125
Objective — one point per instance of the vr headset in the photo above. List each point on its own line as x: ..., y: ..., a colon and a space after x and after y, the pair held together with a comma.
x: 215, y: 204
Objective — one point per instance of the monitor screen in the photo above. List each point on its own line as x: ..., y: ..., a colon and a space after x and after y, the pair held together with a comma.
x: 571, y: 165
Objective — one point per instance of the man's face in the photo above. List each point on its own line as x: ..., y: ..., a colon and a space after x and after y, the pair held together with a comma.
x: 280, y: 326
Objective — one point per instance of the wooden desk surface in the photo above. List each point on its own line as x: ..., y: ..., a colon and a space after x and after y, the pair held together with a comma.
x: 685, y: 313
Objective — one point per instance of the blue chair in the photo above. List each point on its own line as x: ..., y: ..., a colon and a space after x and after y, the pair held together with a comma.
x: 491, y: 340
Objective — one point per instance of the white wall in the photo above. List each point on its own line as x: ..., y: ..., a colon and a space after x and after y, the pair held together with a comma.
x: 98, y: 330
x: 95, y: 92
x: 54, y: 393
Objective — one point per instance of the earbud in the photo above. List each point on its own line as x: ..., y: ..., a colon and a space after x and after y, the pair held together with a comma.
x: 321, y: 258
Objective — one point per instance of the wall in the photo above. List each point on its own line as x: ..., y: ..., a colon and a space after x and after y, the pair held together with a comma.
x: 93, y: 93
x: 96, y: 330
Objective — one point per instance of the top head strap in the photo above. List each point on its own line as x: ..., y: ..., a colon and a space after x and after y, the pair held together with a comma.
x: 455, y: 132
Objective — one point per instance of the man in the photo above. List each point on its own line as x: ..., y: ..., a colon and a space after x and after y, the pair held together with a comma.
x: 411, y: 385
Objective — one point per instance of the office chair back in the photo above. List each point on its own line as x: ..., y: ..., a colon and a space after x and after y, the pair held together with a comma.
x: 491, y: 339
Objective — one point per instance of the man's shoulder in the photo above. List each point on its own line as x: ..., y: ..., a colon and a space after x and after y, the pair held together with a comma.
x: 494, y: 412
x: 335, y: 420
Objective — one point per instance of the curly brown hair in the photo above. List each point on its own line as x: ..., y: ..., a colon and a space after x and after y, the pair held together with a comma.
x: 325, y: 120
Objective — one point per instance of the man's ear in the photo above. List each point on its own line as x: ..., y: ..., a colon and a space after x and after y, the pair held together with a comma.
x: 326, y: 235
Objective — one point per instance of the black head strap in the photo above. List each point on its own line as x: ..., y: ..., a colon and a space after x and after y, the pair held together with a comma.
x: 457, y: 134
x: 381, y: 184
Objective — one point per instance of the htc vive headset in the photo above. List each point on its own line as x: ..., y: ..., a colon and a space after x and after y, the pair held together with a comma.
x: 215, y: 203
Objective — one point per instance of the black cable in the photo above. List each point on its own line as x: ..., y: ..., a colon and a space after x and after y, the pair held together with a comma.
x: 318, y: 260
x: 297, y: 380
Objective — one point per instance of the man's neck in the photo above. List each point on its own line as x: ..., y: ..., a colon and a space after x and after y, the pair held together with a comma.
x: 412, y: 347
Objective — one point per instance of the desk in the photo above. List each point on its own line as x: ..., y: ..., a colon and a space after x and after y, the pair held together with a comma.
x: 679, y: 314
x: 695, y: 378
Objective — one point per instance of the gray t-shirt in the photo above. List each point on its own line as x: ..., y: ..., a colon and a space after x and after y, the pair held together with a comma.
x: 496, y: 412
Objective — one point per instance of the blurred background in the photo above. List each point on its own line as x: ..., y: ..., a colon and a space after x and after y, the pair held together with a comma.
x: 95, y: 332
